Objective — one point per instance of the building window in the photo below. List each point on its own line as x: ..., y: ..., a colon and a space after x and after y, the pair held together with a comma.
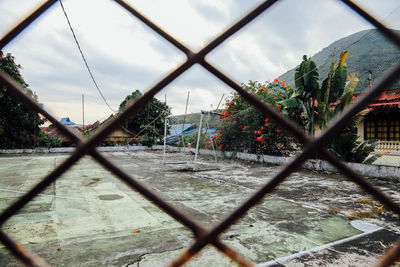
x: 369, y: 130
x: 394, y: 130
x: 385, y: 130
x: 381, y: 130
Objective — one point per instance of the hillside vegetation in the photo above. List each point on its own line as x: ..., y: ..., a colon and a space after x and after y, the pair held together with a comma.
x: 368, y: 50
x: 193, y: 118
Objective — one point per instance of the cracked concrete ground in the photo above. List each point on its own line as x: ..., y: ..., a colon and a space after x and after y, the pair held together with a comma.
x: 90, y: 218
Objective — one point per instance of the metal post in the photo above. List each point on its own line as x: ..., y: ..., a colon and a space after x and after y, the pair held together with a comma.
x: 165, y: 138
x: 184, y: 119
x: 198, y: 138
x: 212, y: 141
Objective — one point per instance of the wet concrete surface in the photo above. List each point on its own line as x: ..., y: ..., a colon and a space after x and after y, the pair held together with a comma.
x: 90, y: 218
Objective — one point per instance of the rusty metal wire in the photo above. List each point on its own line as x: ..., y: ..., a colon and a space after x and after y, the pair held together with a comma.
x: 203, y: 237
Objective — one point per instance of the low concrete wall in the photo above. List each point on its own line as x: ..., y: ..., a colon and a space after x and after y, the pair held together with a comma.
x: 122, y: 148
x: 71, y: 149
x: 375, y: 171
x: 40, y: 150
x: 368, y: 170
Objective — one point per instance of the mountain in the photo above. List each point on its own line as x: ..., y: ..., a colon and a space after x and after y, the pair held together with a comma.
x: 368, y: 50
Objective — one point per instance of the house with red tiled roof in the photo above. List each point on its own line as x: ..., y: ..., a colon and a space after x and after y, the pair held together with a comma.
x: 383, y: 124
x: 54, y: 132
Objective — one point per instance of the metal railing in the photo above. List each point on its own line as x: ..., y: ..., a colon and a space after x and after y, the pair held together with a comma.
x: 203, y: 236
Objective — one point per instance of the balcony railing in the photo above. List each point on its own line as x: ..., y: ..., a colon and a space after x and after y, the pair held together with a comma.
x: 388, y: 146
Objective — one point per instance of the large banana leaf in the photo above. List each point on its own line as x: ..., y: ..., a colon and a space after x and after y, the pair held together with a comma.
x: 306, y: 79
x: 338, y: 79
x: 290, y: 103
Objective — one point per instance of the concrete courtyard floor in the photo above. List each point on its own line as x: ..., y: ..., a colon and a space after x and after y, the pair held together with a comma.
x: 90, y: 218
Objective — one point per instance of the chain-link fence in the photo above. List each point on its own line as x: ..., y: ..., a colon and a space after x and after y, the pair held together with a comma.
x: 203, y: 236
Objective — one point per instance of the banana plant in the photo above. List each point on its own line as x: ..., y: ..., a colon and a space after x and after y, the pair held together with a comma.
x: 306, y: 82
x: 331, y: 95
x: 321, y: 105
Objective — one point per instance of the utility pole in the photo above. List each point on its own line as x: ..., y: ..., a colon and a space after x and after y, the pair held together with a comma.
x: 34, y: 130
x: 83, y: 112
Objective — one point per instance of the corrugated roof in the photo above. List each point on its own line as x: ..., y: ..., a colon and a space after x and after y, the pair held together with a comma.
x: 54, y: 132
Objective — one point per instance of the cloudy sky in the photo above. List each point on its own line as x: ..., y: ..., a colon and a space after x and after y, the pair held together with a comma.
x: 125, y: 55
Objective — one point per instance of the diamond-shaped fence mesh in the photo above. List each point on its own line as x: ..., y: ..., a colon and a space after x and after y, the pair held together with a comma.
x: 203, y: 236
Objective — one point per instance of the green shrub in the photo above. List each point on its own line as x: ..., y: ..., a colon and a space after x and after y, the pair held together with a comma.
x: 44, y: 140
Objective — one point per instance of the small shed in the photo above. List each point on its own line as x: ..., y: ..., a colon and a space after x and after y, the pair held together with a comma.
x: 121, y: 135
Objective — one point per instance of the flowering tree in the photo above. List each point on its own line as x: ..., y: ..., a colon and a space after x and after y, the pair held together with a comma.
x: 243, y: 128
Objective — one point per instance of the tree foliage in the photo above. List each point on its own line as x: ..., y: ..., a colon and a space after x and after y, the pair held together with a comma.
x: 149, y: 121
x: 243, y: 128
x: 19, y: 125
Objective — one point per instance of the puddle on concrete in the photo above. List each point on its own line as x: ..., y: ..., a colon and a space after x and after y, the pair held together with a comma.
x: 110, y: 197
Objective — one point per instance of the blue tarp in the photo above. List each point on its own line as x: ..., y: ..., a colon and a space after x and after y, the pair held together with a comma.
x: 66, y: 121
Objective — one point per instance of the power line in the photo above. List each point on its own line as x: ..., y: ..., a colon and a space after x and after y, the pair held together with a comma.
x: 84, y: 59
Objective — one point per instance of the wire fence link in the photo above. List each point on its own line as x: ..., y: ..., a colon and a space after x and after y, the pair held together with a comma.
x: 203, y: 236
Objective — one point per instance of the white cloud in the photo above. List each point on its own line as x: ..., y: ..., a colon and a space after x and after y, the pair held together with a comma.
x: 126, y: 55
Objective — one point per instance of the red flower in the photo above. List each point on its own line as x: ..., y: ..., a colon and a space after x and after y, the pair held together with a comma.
x: 274, y: 98
x: 240, y: 126
x: 279, y: 106
x: 220, y: 147
x: 259, y: 139
x: 278, y: 131
x: 266, y: 120
x: 245, y: 127
x: 283, y: 83
x: 276, y: 80
x: 235, y: 122
x: 262, y: 128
